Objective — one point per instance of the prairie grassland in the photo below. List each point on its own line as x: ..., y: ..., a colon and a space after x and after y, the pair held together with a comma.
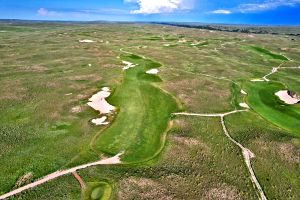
x: 47, y: 76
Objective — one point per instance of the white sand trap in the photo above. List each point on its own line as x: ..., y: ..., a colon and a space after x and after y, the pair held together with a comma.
x: 106, y: 89
x: 195, y: 44
x: 68, y: 94
x: 128, y: 65
x: 152, y: 71
x: 244, y: 105
x: 100, y: 121
x: 257, y: 80
x: 167, y: 45
x: 86, y: 41
x: 243, y: 92
x: 286, y: 97
x: 89, y: 65
x: 3, y: 31
x: 182, y: 40
x: 98, y: 102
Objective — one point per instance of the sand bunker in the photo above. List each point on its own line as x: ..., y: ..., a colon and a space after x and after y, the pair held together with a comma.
x: 128, y: 65
x: 257, y: 80
x: 86, y: 41
x: 152, y: 71
x: 243, y: 92
x: 100, y: 121
x: 167, y: 45
x: 98, y: 102
x: 287, y: 97
x: 195, y: 44
x: 244, y: 105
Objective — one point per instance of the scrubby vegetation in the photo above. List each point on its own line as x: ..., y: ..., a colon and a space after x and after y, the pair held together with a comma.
x: 47, y: 77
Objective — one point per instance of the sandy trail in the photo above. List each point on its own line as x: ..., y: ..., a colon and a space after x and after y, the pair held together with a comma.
x: 247, y: 154
x: 54, y: 175
x: 209, y: 115
x: 79, y: 179
x: 275, y: 70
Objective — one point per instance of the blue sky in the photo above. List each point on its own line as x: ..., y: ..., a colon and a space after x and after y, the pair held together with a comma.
x: 285, y: 12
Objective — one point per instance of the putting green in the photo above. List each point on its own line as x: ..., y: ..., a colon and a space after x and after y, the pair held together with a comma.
x: 140, y: 126
x: 97, y: 191
x: 262, y: 99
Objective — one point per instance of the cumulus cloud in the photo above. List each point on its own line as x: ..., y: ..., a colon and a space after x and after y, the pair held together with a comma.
x: 160, y: 6
x: 46, y: 13
x: 221, y: 11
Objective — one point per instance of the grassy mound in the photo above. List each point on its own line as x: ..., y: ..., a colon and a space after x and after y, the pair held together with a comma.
x: 144, y: 112
x: 262, y: 99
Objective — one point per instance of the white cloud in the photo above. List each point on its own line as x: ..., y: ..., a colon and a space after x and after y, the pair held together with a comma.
x: 266, y: 5
x: 46, y: 13
x: 160, y: 6
x: 257, y: 7
x: 222, y: 11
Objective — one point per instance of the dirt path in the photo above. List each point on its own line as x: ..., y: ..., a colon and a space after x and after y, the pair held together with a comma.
x: 247, y: 154
x: 276, y: 69
x: 54, y: 175
x: 79, y: 179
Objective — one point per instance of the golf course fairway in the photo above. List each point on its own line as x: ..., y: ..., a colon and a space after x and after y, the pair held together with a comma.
x: 144, y: 111
x: 262, y: 99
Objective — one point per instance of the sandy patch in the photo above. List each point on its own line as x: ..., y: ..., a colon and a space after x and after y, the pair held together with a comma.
x: 167, y: 45
x: 244, y: 105
x: 89, y: 65
x: 34, y: 68
x: 24, y: 180
x: 128, y: 65
x: 100, y: 121
x: 182, y: 40
x: 257, y: 80
x: 98, y: 102
x: 287, y: 97
x: 86, y: 41
x: 186, y: 140
x: 222, y: 193
x: 68, y: 94
x: 142, y: 188
x: 289, y: 153
x: 152, y: 71
x: 243, y: 92
x: 195, y: 44
x: 76, y: 109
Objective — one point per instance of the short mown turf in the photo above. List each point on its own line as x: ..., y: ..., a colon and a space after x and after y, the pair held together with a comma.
x: 262, y: 99
x: 143, y: 116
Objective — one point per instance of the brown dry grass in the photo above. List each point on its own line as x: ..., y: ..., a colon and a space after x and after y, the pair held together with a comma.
x: 143, y: 189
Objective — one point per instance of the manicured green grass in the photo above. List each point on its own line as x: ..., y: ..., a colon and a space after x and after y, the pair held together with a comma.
x: 144, y: 112
x: 262, y: 99
x: 97, y: 191
x: 267, y: 53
